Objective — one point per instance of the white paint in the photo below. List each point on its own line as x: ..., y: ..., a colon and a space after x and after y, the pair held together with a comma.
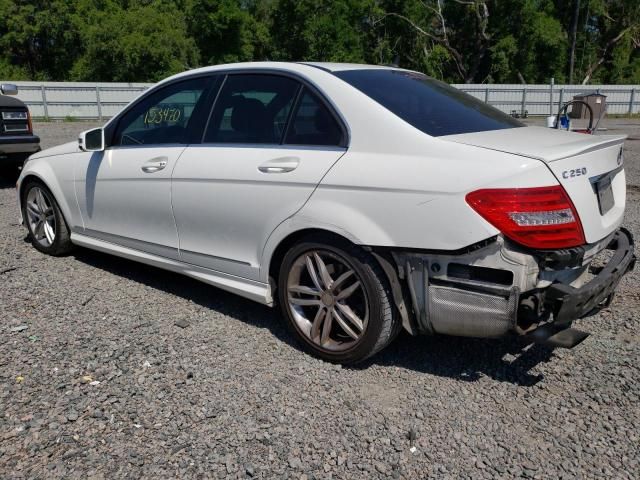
x: 219, y: 219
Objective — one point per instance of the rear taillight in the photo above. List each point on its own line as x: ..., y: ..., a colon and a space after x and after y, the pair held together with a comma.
x: 30, y: 125
x: 541, y: 217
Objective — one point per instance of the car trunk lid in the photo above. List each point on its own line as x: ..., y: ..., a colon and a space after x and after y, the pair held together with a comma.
x: 589, y: 167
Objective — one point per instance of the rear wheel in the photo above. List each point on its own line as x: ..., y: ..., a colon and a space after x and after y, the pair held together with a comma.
x: 336, y: 300
x: 48, y: 230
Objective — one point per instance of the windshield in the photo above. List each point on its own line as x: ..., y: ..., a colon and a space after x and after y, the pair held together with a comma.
x: 429, y: 105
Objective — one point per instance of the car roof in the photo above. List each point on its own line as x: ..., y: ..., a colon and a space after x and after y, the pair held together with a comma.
x: 310, y: 70
x: 298, y: 67
x: 339, y: 67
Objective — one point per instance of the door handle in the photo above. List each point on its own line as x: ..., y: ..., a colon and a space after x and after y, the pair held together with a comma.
x: 280, y: 165
x: 275, y: 169
x: 155, y: 165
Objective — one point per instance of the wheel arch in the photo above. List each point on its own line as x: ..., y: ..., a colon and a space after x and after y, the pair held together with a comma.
x: 381, y: 256
x: 285, y: 244
x: 53, y: 187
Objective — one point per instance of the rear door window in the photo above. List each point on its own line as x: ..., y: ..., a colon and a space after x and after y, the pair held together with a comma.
x: 428, y: 104
x: 252, y: 109
x: 313, y: 124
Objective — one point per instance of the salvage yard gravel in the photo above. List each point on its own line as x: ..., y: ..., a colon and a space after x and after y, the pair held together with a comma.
x: 113, y: 369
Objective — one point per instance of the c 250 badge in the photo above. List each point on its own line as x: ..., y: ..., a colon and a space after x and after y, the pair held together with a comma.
x: 576, y: 172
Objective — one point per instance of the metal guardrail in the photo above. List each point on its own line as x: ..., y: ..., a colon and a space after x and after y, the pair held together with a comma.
x: 619, y: 100
x: 53, y: 100
x: 77, y: 102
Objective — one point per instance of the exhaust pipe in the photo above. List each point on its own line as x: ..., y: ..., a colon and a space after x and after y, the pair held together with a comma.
x: 552, y: 337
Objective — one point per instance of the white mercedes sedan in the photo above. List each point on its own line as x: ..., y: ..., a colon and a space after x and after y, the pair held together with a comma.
x: 361, y: 200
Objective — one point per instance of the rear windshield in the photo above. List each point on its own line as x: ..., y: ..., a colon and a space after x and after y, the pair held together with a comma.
x: 429, y: 105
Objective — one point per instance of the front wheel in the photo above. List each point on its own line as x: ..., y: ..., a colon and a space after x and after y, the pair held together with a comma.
x: 41, y: 214
x: 336, y: 300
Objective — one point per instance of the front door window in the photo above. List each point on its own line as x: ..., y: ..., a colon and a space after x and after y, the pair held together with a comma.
x: 164, y: 117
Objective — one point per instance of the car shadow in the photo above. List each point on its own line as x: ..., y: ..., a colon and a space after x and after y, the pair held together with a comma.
x: 8, y: 179
x: 465, y: 359
x: 508, y: 359
x: 188, y: 288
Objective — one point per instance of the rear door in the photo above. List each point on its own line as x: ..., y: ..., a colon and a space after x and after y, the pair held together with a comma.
x: 269, y: 142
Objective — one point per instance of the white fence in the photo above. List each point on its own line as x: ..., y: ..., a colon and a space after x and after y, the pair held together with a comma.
x: 546, y: 99
x: 79, y: 100
x: 103, y: 100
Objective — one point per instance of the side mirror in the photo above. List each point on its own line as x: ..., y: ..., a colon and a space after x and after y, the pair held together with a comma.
x: 8, y: 89
x: 92, y: 140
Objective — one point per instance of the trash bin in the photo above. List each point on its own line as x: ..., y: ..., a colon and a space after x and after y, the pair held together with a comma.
x: 597, y: 102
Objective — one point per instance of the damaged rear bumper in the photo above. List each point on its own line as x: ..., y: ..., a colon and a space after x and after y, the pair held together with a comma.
x: 569, y: 303
x: 496, y: 288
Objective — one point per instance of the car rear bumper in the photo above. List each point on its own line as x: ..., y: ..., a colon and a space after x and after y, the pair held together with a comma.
x: 569, y: 303
x: 504, y: 291
x: 19, y: 144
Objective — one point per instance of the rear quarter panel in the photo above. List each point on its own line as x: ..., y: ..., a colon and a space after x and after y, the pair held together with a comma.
x: 417, y: 199
x: 397, y: 186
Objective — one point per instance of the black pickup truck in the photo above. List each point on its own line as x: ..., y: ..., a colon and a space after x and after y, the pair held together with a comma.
x: 17, y: 140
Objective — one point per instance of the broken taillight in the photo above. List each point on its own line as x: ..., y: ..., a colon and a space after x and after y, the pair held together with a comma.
x: 541, y: 217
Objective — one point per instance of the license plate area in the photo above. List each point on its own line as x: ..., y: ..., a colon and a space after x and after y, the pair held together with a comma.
x: 605, y: 194
x: 8, y: 127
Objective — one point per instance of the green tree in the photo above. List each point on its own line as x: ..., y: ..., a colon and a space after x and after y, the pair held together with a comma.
x: 405, y: 26
x: 610, y: 39
x: 541, y: 41
x: 323, y: 31
x: 145, y: 42
x: 229, y: 31
x: 35, y: 39
x: 504, y: 56
x: 454, y: 40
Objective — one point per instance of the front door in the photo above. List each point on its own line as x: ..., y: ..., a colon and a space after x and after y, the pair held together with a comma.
x: 268, y: 144
x: 124, y: 193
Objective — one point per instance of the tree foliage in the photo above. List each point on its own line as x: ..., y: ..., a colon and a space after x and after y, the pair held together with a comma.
x: 127, y: 44
x: 476, y: 41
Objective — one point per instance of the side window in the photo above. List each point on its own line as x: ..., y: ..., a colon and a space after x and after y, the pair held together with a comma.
x: 252, y: 109
x: 313, y: 124
x: 163, y: 117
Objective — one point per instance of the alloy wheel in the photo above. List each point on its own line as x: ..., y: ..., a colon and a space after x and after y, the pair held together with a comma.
x: 41, y: 216
x: 327, y: 300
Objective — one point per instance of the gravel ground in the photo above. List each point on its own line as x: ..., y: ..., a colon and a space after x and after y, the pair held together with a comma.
x: 102, y: 383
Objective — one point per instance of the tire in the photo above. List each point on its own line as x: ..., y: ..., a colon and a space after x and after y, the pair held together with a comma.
x: 307, y: 303
x: 32, y: 203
